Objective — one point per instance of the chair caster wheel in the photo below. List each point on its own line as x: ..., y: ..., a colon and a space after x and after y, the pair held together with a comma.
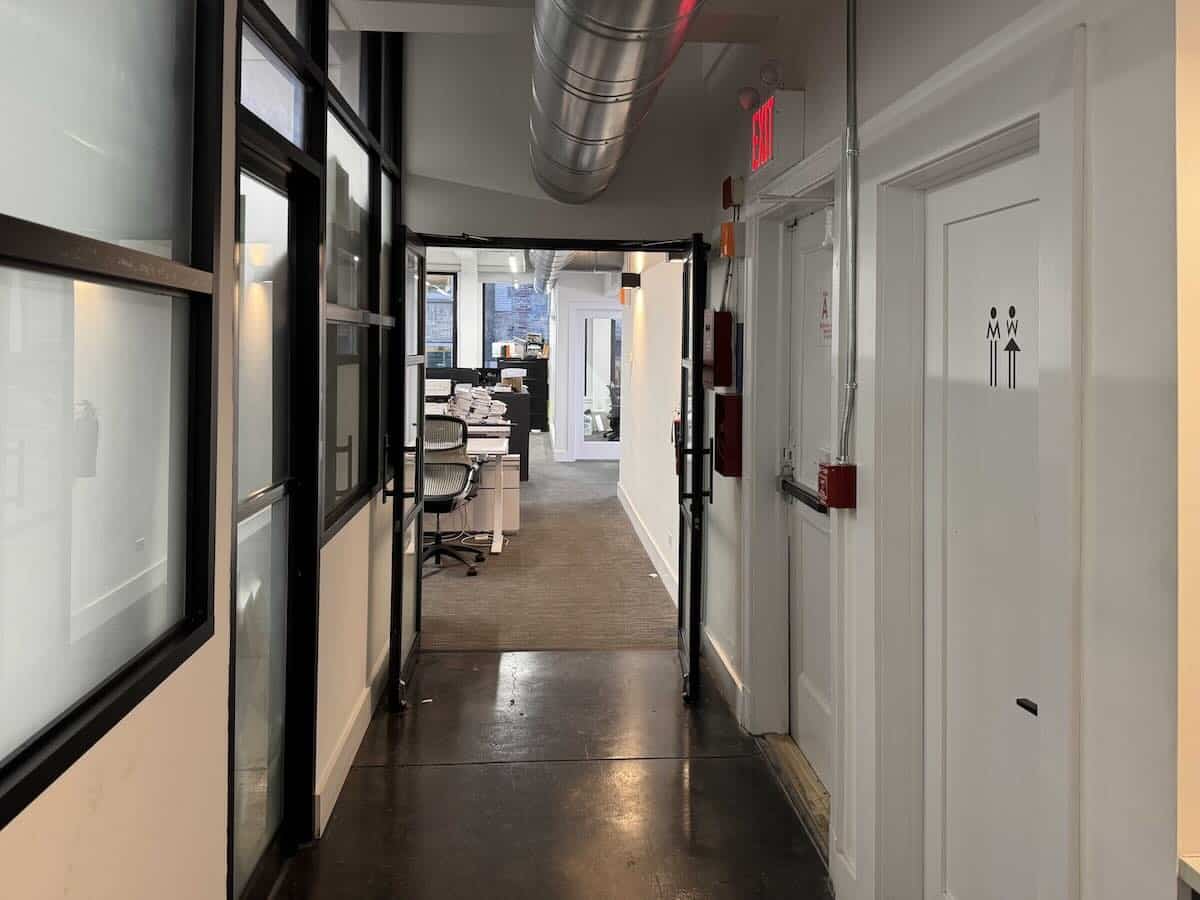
x: 472, y: 571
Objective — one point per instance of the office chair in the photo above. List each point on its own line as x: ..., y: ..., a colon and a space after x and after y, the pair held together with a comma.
x: 451, y: 482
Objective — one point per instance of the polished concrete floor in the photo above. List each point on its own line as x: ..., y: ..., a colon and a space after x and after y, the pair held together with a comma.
x: 557, y: 774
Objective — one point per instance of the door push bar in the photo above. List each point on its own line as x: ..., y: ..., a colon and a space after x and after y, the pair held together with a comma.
x: 704, y: 451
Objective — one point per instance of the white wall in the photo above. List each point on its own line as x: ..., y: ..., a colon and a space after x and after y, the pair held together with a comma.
x: 649, y: 402
x: 158, y: 779
x: 352, y: 648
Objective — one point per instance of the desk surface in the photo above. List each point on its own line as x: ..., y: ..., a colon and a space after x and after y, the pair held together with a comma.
x: 487, y: 446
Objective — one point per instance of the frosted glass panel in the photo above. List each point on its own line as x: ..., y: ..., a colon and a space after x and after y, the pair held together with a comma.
x: 97, y: 99
x: 348, y: 193
x: 263, y: 353
x: 260, y: 617
x: 93, y: 453
x: 271, y: 90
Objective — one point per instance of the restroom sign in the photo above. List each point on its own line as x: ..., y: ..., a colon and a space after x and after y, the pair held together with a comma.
x: 825, y: 322
x: 1001, y: 352
x: 762, y: 135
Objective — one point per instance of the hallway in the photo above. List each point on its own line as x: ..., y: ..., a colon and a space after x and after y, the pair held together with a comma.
x: 557, y: 774
x: 575, y: 577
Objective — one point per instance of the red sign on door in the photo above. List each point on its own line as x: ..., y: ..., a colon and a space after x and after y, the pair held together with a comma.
x: 762, y: 135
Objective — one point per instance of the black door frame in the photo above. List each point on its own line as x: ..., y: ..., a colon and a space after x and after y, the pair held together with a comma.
x: 695, y: 251
x: 404, y: 515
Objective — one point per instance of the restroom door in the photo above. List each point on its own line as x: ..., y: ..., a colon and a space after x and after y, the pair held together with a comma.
x: 981, y: 536
x: 810, y: 604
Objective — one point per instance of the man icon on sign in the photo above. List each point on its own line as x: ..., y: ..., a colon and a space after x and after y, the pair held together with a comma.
x: 993, y: 339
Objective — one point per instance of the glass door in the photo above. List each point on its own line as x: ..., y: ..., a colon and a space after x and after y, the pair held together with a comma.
x: 599, y: 380
x: 692, y: 461
x: 406, y: 434
x: 264, y: 484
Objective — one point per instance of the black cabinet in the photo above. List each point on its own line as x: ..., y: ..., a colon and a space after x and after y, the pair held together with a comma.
x: 537, y: 382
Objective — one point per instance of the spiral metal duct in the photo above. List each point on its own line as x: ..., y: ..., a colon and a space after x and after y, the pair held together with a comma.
x: 597, y: 67
x: 547, y: 264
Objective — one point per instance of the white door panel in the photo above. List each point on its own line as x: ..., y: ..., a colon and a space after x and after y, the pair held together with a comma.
x: 981, y: 535
x: 810, y: 602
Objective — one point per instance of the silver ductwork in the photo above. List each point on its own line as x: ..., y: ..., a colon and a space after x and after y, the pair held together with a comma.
x: 547, y: 264
x: 597, y: 67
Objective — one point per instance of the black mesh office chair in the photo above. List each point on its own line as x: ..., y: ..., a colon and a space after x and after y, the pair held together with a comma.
x: 451, y: 482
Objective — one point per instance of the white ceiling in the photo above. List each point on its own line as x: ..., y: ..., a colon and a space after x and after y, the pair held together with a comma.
x: 723, y: 21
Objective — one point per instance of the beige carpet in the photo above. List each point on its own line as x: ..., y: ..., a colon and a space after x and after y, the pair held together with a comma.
x: 574, y: 577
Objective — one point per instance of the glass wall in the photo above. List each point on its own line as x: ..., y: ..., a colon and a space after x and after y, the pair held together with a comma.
x: 93, y: 487
x: 511, y: 313
x: 441, y: 310
x: 98, y: 102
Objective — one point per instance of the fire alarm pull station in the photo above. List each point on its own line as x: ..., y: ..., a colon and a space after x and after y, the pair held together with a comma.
x: 718, y: 348
x: 727, y: 435
x: 837, y: 483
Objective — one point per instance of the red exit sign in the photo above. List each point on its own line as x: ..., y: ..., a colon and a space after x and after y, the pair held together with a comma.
x: 762, y: 135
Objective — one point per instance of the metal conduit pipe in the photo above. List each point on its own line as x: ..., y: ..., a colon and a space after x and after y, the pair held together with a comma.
x: 597, y: 67
x: 850, y: 257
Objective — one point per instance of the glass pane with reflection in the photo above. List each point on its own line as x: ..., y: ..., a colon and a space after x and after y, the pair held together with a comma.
x: 260, y: 620
x: 263, y: 351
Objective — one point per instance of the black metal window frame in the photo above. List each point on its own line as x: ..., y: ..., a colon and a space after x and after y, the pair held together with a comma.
x: 454, y: 279
x: 302, y: 171
x: 31, y: 246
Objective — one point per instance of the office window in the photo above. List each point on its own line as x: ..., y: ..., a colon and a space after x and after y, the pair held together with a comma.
x: 93, y: 488
x: 510, y: 314
x: 98, y: 101
x: 346, y: 416
x: 346, y: 61
x: 347, y: 192
x: 271, y: 90
x: 441, y: 310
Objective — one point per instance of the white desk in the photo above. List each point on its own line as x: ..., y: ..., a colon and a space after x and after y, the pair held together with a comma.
x: 493, y: 449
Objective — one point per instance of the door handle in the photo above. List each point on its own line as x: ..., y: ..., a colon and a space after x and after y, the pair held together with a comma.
x: 1030, y: 706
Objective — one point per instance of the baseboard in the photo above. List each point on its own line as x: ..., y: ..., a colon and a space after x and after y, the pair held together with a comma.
x: 88, y: 618
x: 333, y: 778
x: 666, y: 572
x: 729, y: 685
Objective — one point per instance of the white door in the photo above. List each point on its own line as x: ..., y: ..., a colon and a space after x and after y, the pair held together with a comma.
x: 810, y: 613
x: 981, y: 535
x: 595, y: 380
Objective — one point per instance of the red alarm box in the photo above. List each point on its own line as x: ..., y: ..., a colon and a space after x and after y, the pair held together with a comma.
x: 718, y: 348
x: 837, y: 484
x: 727, y: 435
